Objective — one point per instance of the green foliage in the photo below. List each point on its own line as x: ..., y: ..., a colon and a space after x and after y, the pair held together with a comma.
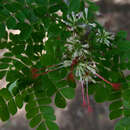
x: 37, y: 20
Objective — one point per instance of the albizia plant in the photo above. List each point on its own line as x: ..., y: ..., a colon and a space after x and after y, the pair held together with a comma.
x: 60, y: 43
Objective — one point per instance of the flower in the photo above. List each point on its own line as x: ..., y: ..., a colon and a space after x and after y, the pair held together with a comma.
x: 104, y: 37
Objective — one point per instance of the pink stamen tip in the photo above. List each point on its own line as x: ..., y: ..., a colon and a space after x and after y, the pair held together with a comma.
x: 83, y: 96
x: 84, y: 104
x: 90, y: 108
x: 116, y: 86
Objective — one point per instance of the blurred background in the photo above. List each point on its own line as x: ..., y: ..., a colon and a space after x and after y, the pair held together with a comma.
x: 115, y: 14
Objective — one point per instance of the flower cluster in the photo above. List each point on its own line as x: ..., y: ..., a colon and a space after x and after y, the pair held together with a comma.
x: 78, y: 20
x: 104, y: 37
x: 78, y: 55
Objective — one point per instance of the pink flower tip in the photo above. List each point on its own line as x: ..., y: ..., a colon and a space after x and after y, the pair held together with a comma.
x: 90, y: 109
x: 116, y: 86
x: 84, y: 104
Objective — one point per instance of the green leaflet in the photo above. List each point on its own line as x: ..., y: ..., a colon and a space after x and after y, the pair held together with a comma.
x: 115, y: 114
x: 3, y: 33
x: 123, y: 124
x: 4, y: 66
x: 30, y: 105
x: 126, y: 98
x: 68, y: 93
x: 35, y: 121
x: 4, y: 14
x: 38, y: 110
x: 18, y: 49
x: 114, y: 96
x: 13, y: 75
x: 2, y: 74
x: 32, y: 113
x: 4, y: 92
x: 20, y: 16
x: 12, y: 108
x: 48, y: 112
x: 121, y: 35
x: 126, y: 112
x: 5, y: 60
x: 19, y: 100
x: 41, y: 126
x: 44, y: 2
x: 4, y: 114
x: 11, y: 23
x: 115, y: 105
x: 60, y: 101
x: 26, y: 31
x: 52, y: 125
x: 74, y: 5
x: 44, y: 101
x: 101, y: 94
x: 13, y: 6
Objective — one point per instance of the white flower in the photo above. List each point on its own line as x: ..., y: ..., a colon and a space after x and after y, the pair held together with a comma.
x: 91, y: 69
x: 86, y: 13
x: 67, y: 63
x: 104, y: 37
x: 85, y: 46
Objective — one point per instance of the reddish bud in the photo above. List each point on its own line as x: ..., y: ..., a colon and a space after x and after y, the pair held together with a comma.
x: 34, y: 74
x: 34, y: 70
x: 75, y: 61
x: 70, y: 76
x: 116, y: 86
